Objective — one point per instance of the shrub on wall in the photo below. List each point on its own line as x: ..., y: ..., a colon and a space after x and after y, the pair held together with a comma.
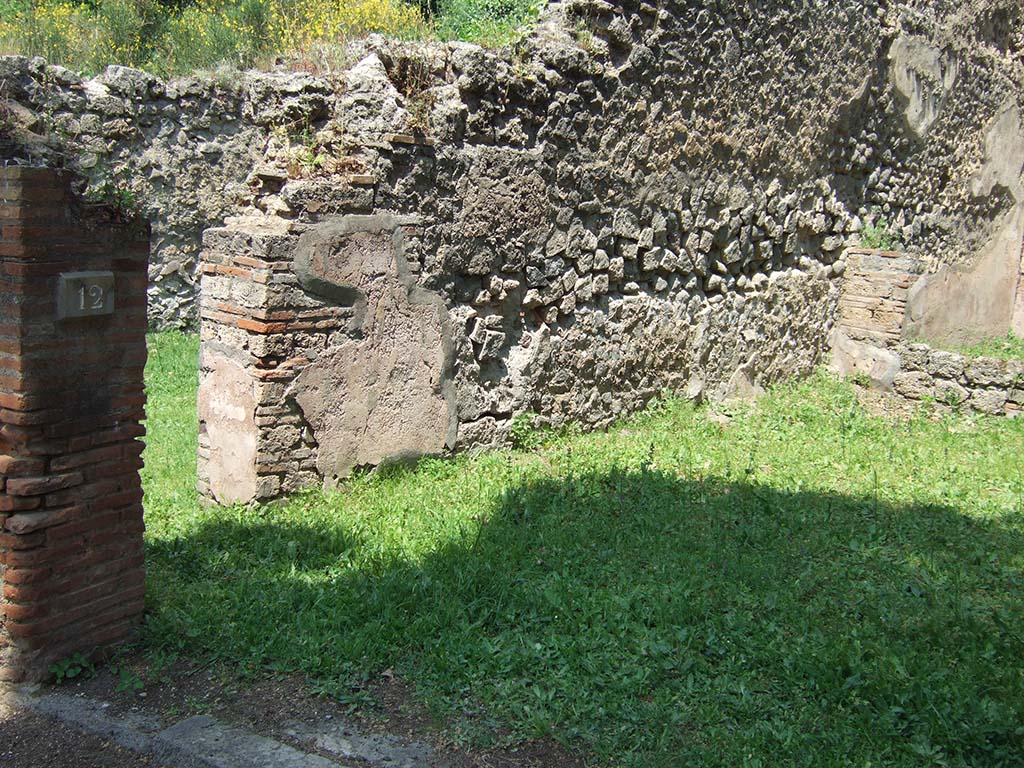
x: 175, y: 36
x: 168, y: 38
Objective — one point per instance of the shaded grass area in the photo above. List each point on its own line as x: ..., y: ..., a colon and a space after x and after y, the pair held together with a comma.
x: 807, y: 585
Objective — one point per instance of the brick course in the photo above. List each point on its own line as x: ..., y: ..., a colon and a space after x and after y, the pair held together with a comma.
x: 71, y: 403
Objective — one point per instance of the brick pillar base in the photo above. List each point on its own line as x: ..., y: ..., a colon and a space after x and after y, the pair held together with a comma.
x: 72, y: 352
x: 873, y: 302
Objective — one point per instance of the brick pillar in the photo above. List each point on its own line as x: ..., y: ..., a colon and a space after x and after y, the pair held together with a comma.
x: 72, y: 351
x: 873, y: 302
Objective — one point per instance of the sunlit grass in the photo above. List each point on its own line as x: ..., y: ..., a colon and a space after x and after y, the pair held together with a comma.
x: 1008, y: 347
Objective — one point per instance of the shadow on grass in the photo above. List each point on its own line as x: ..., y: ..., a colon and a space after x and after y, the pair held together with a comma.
x: 650, y: 619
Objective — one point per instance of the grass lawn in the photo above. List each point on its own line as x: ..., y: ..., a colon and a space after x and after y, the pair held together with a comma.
x: 805, y: 585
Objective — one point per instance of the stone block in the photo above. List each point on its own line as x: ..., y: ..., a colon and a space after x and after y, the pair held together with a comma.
x: 988, y: 372
x: 948, y: 365
x: 913, y: 384
x: 854, y: 358
x: 990, y: 401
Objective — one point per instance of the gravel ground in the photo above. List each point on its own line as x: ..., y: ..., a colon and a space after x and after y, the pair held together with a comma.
x: 31, y: 741
x: 270, y: 705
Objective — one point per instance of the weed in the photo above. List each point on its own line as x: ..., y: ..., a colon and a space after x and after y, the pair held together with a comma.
x: 879, y: 234
x: 306, y: 153
x: 861, y: 379
x: 71, y: 668
x: 198, y: 705
x: 523, y: 432
x: 128, y: 681
x: 584, y: 36
x: 117, y: 193
x: 951, y: 397
x: 1009, y: 347
x: 412, y: 77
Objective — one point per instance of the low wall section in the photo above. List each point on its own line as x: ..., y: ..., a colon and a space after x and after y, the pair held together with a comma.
x: 870, y: 341
x: 325, y: 347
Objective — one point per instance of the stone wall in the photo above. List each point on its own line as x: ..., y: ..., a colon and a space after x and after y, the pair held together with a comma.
x: 71, y: 402
x: 177, y: 152
x: 984, y: 384
x: 870, y: 342
x: 323, y: 351
x: 632, y: 200
x: 733, y: 124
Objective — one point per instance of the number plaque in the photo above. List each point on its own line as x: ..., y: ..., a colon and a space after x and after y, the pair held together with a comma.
x: 85, y: 294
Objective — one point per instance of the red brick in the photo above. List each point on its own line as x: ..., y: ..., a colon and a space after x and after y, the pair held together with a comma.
x: 19, y: 503
x: 15, y: 612
x: 112, y: 632
x: 124, y: 498
x: 84, y: 525
x: 125, y: 469
x: 14, y: 541
x: 27, y: 522
x: 12, y: 466
x: 90, y: 490
x: 100, y: 538
x: 15, y: 401
x: 79, y: 444
x: 31, y: 213
x: 83, y: 458
x: 52, y: 235
x: 129, y: 401
x: 26, y: 575
x: 74, y: 557
x: 122, y: 432
x: 73, y: 427
x: 259, y: 327
x: 29, y: 418
x: 126, y: 602
x: 34, y: 486
x: 19, y: 250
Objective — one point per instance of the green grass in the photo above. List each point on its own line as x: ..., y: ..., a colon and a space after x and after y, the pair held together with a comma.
x: 1008, y: 347
x: 807, y: 586
x: 172, y: 378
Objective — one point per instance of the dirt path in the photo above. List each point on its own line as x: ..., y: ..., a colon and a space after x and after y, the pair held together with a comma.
x: 29, y: 740
x: 181, y: 715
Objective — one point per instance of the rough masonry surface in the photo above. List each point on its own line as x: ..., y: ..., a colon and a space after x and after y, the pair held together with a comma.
x: 804, y: 121
x: 631, y: 200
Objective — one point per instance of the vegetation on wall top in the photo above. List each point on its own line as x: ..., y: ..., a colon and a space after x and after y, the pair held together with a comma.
x: 171, y: 37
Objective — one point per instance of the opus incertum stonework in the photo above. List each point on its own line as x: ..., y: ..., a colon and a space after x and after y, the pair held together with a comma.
x: 403, y: 258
